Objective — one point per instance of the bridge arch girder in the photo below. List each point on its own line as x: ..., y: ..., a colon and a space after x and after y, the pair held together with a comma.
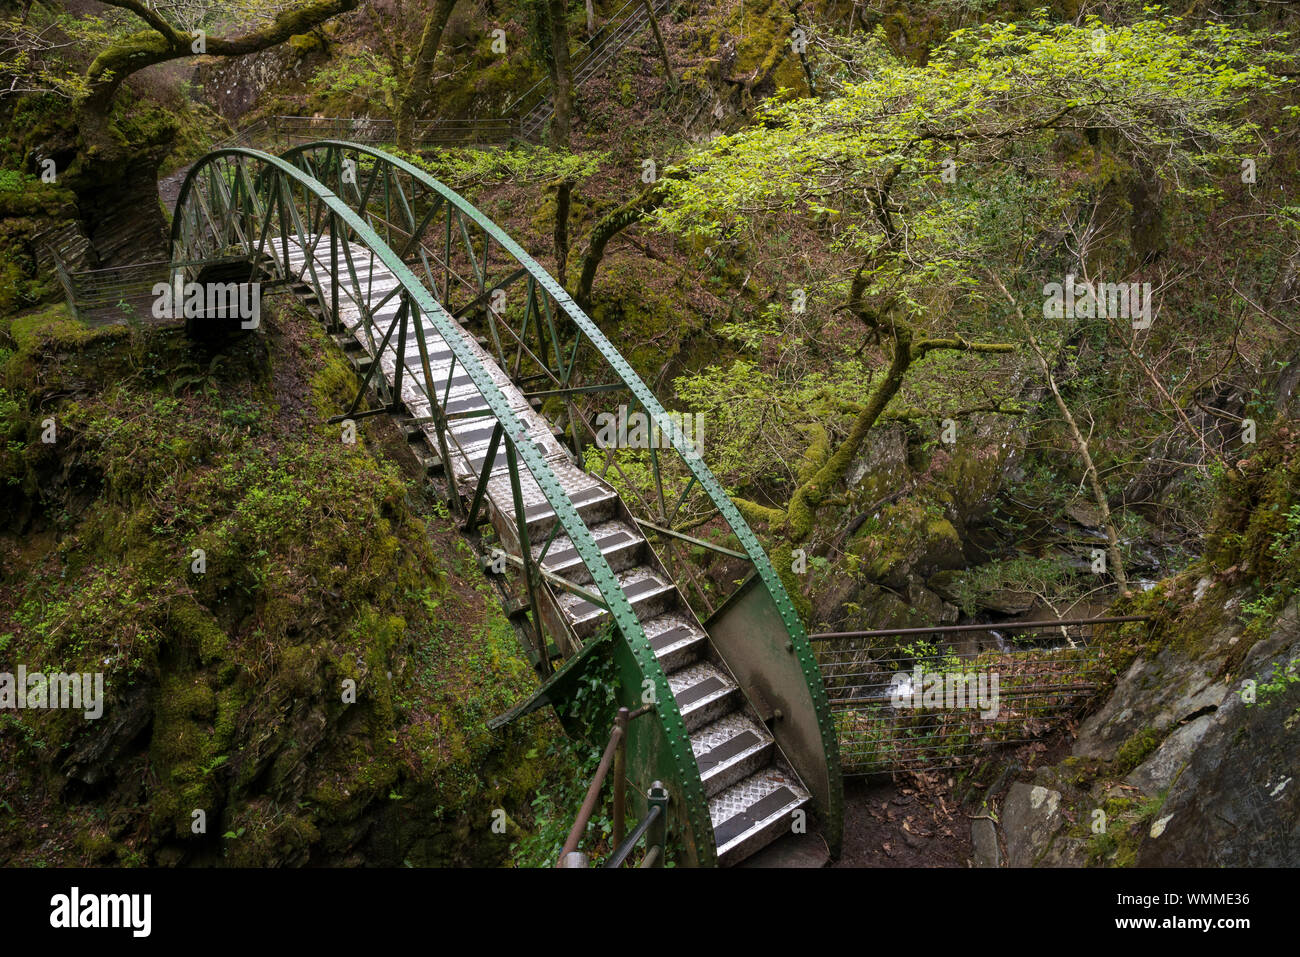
x: 375, y: 209
x: 377, y: 173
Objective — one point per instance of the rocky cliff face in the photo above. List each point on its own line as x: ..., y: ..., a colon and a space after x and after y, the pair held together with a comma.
x: 1193, y: 758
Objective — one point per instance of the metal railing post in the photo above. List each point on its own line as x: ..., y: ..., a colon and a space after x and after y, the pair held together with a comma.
x: 620, y: 775
x: 593, y: 793
x: 525, y: 553
x: 334, y: 269
x: 657, y: 835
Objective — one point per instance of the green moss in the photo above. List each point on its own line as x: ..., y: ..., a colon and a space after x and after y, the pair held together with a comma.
x: 191, y: 621
x: 782, y: 563
x: 903, y: 535
x: 334, y: 386
x: 1127, y: 821
x: 1080, y: 772
x: 763, y: 45
x: 34, y: 198
x: 1253, y: 549
x: 95, y: 845
x: 323, y: 563
x: 56, y: 328
x: 1135, y: 750
x: 971, y: 472
x: 651, y: 323
x: 304, y: 43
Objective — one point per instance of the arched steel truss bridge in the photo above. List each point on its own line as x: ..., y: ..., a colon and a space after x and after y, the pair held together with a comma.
x: 484, y: 356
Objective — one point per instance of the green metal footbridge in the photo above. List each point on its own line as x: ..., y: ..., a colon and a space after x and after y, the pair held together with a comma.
x: 498, y: 378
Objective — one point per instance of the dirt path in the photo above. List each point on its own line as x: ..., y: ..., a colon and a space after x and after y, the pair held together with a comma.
x: 898, y: 824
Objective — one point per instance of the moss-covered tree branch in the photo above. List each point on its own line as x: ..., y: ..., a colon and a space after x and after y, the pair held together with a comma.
x: 164, y: 42
x: 824, y: 469
x: 614, y: 222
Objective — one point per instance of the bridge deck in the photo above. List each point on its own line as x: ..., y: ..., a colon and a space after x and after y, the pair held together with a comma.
x: 751, y: 789
x: 471, y: 424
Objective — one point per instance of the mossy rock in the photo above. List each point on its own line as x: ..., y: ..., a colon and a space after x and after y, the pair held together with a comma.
x: 907, y: 537
x: 1136, y: 750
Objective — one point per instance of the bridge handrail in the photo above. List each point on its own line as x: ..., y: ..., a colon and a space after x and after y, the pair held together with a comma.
x: 614, y: 758
x: 606, y: 582
x: 799, y: 644
x: 957, y: 629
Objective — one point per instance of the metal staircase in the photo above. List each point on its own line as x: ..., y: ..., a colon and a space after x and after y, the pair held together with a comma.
x: 403, y: 271
x: 752, y: 794
x: 536, y: 104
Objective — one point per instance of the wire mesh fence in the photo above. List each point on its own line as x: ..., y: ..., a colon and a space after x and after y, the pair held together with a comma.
x: 116, y: 293
x: 124, y: 294
x: 920, y: 699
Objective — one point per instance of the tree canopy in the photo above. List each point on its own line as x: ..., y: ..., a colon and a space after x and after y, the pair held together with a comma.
x: 926, y: 184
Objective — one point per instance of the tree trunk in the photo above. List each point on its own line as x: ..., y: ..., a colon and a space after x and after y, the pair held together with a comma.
x: 1081, y: 445
x: 804, y: 502
x: 561, y: 86
x: 825, y: 470
x: 561, y: 72
x: 413, y: 97
x: 633, y: 211
x: 659, y: 41
x: 563, y: 195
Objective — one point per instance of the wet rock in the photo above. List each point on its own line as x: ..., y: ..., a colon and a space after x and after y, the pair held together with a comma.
x: 989, y: 447
x: 984, y: 839
x: 99, y: 753
x: 881, y: 466
x: 1088, y: 516
x: 849, y: 605
x: 909, y: 542
x: 1155, y: 694
x: 929, y: 607
x: 1237, y: 800
x: 1158, y: 771
x: 125, y: 221
x: 1031, y: 817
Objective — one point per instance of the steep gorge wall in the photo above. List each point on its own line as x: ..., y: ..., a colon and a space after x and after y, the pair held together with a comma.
x: 319, y: 691
x: 1191, y: 760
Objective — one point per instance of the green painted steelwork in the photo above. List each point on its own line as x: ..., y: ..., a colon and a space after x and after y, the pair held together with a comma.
x: 274, y: 175
x: 249, y: 202
x: 832, y: 794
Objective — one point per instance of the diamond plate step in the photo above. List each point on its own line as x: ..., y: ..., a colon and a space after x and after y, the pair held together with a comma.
x: 618, y: 542
x: 731, y: 748
x: 595, y: 502
x: 754, y: 812
x: 474, y: 432
x: 594, y: 505
x: 647, y: 593
x: 676, y: 640
x: 703, y: 692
